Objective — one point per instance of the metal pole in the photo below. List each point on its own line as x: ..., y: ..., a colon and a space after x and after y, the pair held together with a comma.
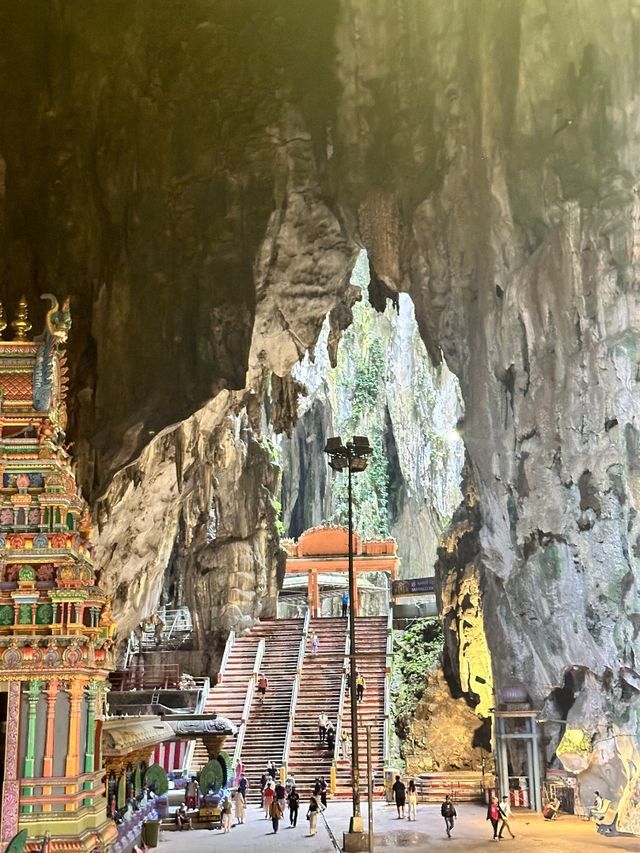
x: 355, y: 768
x: 370, y: 788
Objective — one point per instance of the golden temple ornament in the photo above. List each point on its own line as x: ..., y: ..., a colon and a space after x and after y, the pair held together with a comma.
x: 21, y: 324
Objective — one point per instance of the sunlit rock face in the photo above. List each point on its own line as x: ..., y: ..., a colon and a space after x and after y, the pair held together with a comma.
x: 381, y: 385
x: 179, y: 166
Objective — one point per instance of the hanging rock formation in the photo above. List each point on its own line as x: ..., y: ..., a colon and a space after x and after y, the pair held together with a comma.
x: 199, y: 175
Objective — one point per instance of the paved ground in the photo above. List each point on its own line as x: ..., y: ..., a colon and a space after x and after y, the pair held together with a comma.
x: 472, y: 834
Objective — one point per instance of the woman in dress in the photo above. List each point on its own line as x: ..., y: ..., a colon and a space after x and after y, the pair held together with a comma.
x: 312, y: 814
x: 238, y: 799
x: 268, y: 797
x: 412, y: 797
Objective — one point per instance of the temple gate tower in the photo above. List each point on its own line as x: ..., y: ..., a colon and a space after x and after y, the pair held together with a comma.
x: 56, y: 632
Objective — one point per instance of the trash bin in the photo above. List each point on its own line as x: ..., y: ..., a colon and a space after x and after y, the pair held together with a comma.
x: 150, y: 832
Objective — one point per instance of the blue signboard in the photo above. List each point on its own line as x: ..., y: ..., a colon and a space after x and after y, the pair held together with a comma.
x: 414, y: 586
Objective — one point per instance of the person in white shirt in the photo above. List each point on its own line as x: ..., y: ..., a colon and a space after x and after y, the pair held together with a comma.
x: 504, y: 809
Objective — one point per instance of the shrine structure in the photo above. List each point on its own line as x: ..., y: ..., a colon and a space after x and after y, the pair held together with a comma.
x: 56, y: 632
x: 324, y: 550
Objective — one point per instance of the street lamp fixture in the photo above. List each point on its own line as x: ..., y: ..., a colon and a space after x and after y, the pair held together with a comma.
x: 352, y: 456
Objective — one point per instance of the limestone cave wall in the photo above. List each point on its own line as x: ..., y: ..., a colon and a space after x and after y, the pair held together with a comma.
x: 199, y: 176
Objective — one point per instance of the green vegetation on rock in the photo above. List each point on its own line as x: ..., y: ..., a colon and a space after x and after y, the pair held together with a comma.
x: 416, y: 651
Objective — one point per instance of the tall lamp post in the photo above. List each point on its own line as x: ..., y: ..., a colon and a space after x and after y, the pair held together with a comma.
x: 352, y: 456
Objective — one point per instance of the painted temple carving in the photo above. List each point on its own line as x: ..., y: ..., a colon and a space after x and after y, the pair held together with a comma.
x: 56, y: 632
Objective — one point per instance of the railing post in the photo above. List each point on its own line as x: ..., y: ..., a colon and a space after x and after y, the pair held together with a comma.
x: 246, y: 709
x: 295, y: 691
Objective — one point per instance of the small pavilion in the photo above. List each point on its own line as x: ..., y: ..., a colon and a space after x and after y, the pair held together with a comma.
x: 325, y: 550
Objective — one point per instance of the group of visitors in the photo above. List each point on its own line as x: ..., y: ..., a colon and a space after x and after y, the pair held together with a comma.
x: 327, y: 736
x: 499, y: 813
x: 276, y: 798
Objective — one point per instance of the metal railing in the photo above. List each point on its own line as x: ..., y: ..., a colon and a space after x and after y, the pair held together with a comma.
x: 225, y: 655
x: 205, y: 685
x: 343, y: 693
x: 387, y: 691
x: 158, y: 677
x: 295, y: 691
x: 246, y: 708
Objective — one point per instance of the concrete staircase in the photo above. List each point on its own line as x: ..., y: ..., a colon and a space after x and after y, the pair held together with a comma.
x: 371, y: 644
x: 267, y: 727
x: 226, y: 699
x: 319, y: 691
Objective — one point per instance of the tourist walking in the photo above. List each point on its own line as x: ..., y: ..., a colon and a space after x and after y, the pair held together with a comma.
x: 360, y: 686
x: 449, y: 813
x: 226, y: 814
x: 493, y: 814
x: 345, y: 604
x: 504, y: 808
x: 331, y: 737
x: 290, y: 783
x: 322, y: 727
x: 312, y: 814
x: 281, y: 796
x: 345, y: 742
x: 294, y: 802
x: 263, y: 683
x: 268, y: 797
x: 238, y: 799
x: 315, y: 644
x: 272, y: 770
x: 412, y: 799
x: 275, y: 813
x: 399, y: 793
x: 323, y: 791
x: 243, y: 784
x: 263, y: 784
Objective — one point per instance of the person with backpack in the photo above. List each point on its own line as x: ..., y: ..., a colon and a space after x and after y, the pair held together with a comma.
x: 505, y: 813
x: 449, y: 813
x: 493, y: 814
x: 360, y: 686
x: 294, y: 802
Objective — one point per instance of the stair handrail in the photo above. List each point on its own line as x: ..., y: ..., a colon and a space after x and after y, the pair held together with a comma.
x: 306, y: 623
x: 225, y: 655
x: 294, y: 693
x: 205, y: 685
x: 386, y: 748
x: 343, y: 693
x: 246, y: 708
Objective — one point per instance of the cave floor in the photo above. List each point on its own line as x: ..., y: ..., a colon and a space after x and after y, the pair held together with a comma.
x: 471, y: 833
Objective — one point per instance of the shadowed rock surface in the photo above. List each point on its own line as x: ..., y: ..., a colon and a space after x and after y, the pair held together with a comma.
x: 198, y: 176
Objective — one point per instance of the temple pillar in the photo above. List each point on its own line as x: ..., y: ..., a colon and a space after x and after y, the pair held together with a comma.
x: 72, y: 765
x: 11, y: 786
x: 33, y: 694
x: 89, y: 757
x: 47, y: 762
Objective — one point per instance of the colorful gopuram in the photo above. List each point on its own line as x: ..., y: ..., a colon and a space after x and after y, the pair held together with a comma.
x: 56, y: 632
